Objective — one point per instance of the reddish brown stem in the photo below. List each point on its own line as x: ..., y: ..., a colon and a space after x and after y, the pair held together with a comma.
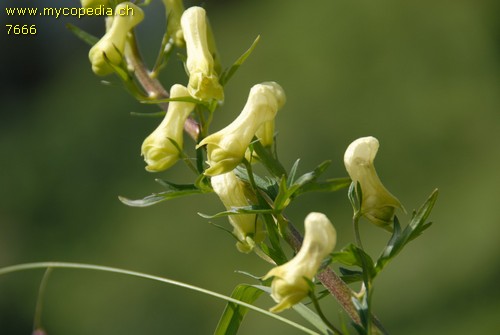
x: 153, y: 87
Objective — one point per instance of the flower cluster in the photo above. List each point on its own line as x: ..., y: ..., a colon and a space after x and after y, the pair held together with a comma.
x: 254, y: 209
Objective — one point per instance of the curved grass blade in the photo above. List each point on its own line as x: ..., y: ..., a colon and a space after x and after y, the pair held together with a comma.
x: 81, y: 266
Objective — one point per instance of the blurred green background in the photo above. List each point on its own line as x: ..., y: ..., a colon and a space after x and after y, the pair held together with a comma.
x: 423, y: 77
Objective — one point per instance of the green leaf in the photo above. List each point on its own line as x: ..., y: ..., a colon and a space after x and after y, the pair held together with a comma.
x: 81, y: 266
x: 351, y: 276
x: 293, y: 172
x: 354, y: 194
x: 281, y: 200
x: 268, y: 160
x: 155, y: 198
x: 275, y: 251
x: 313, y: 175
x: 182, y: 99
x: 289, y: 188
x: 155, y: 114
x: 305, y: 312
x: 228, y: 73
x: 329, y: 185
x: 175, y: 187
x: 400, y: 239
x: 233, y: 314
x: 267, y: 185
x: 352, y: 255
x: 238, y: 211
x: 83, y: 35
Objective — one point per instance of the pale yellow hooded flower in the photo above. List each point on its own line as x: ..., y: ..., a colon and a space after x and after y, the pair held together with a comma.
x: 94, y: 3
x: 289, y: 285
x: 247, y: 228
x: 226, y: 148
x: 203, y: 78
x: 112, y: 44
x: 174, y: 10
x: 158, y: 150
x: 377, y: 204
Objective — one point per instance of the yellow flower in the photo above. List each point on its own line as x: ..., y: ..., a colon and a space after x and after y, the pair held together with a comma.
x: 248, y: 228
x: 377, y: 203
x: 94, y: 3
x: 203, y: 78
x: 226, y: 148
x: 174, y: 10
x: 112, y: 44
x: 289, y: 285
x: 158, y: 150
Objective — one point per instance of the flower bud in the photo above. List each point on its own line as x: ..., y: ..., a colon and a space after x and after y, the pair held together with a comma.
x: 94, y: 3
x: 158, y: 150
x: 226, y: 148
x: 203, y: 78
x: 248, y: 228
x: 289, y: 286
x: 377, y: 203
x: 111, y: 46
x: 174, y: 10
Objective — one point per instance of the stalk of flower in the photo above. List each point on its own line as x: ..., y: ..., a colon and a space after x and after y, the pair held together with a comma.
x: 247, y: 228
x: 226, y: 148
x: 174, y: 10
x: 290, y: 283
x: 203, y: 78
x: 158, y: 149
x: 377, y: 203
x: 111, y: 46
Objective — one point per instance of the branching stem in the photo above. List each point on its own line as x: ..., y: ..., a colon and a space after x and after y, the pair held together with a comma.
x: 153, y: 87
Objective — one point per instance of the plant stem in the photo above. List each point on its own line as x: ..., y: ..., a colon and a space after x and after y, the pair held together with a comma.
x: 153, y: 87
x: 355, y: 224
x: 322, y: 316
x: 37, y: 322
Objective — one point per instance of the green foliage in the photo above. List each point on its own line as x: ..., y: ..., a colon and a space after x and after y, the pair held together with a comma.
x: 229, y: 72
x: 233, y: 314
x: 82, y: 34
x: 400, y: 238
